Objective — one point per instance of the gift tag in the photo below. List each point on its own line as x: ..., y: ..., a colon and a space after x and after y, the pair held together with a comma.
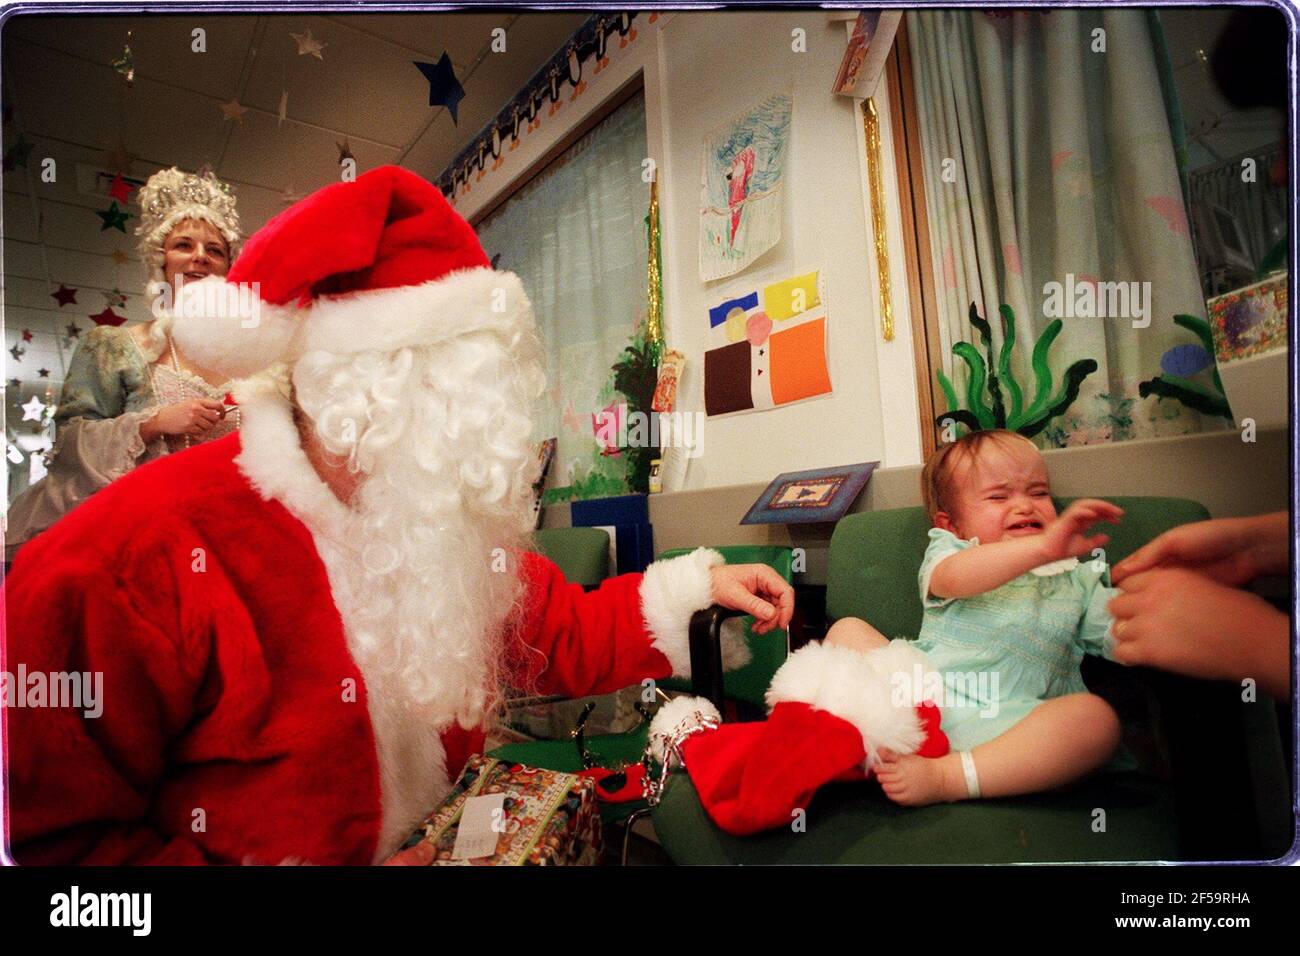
x: 482, y: 822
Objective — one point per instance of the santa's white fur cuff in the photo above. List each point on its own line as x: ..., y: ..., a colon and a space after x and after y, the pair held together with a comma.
x: 671, y: 592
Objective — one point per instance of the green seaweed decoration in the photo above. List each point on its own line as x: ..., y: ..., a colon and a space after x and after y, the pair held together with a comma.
x: 1046, y: 404
x: 1191, y: 394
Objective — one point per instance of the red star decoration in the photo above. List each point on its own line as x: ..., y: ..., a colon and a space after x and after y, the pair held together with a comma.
x: 27, y: 335
x: 108, y: 317
x: 64, y: 295
x: 120, y: 189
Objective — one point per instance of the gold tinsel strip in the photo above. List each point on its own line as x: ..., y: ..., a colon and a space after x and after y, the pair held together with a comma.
x: 654, y: 284
x: 871, y: 125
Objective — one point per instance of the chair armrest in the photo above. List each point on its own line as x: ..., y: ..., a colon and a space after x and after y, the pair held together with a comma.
x: 705, y: 637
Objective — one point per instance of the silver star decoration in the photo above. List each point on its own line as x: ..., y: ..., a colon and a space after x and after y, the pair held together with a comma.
x: 308, y: 44
x: 33, y: 410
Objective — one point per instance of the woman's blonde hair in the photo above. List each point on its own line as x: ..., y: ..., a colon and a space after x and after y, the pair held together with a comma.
x: 940, y: 468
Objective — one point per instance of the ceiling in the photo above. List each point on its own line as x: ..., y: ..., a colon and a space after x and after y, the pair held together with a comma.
x: 63, y: 96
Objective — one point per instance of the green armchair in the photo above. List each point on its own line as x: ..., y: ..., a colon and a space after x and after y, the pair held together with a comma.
x: 1209, y: 781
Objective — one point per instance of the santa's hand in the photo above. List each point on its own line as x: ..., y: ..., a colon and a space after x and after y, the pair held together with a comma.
x: 419, y: 855
x: 755, y: 589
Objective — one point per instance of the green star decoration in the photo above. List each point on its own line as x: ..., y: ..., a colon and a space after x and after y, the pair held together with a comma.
x: 114, y: 218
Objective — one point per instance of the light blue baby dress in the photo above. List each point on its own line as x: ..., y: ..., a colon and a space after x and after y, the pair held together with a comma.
x: 1004, y: 652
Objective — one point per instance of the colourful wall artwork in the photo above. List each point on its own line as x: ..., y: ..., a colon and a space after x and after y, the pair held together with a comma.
x: 768, y: 347
x: 741, y: 189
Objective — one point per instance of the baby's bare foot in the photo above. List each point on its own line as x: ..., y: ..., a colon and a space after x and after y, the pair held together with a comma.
x: 912, y: 781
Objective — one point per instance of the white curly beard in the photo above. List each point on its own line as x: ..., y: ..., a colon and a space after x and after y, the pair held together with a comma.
x: 427, y: 575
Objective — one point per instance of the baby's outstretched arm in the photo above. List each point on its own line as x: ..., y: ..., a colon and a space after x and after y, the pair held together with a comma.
x: 988, y: 566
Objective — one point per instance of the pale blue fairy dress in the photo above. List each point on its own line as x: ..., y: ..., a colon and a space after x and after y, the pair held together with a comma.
x: 1004, y: 652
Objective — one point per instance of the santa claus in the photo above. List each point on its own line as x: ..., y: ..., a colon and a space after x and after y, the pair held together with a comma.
x: 304, y: 629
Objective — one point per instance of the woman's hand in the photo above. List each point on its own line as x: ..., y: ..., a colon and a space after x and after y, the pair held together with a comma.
x: 1065, y: 538
x: 1181, y: 621
x: 755, y: 589
x: 1230, y: 551
x: 195, y: 417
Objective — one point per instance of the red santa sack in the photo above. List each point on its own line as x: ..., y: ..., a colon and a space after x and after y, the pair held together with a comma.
x: 832, y: 711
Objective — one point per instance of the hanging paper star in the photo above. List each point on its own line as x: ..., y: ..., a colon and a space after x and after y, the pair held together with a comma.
x: 17, y: 154
x: 43, y: 372
x: 118, y: 159
x: 233, y: 111
x: 308, y: 44
x: 27, y: 335
x: 64, y: 296
x: 120, y: 189
x: 73, y: 330
x: 115, y: 299
x: 14, y: 383
x: 125, y: 65
x: 284, y: 107
x: 120, y: 257
x: 33, y: 410
x: 444, y: 88
x: 18, y: 352
x: 114, y: 218
x: 108, y: 317
x: 345, y: 151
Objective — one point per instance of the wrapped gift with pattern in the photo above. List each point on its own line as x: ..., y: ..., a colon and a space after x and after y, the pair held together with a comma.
x: 550, y: 818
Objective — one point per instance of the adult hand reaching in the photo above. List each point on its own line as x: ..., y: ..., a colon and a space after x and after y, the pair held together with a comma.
x: 1230, y: 551
x: 755, y: 589
x: 1181, y: 621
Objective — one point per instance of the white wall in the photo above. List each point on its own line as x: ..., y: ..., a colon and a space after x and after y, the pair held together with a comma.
x: 701, y: 70
x: 712, y: 67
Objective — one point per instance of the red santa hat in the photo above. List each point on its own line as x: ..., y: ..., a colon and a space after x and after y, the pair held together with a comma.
x: 832, y: 711
x: 377, y: 264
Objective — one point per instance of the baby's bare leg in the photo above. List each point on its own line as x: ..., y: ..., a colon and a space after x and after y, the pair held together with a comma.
x: 1060, y: 741
x: 855, y: 634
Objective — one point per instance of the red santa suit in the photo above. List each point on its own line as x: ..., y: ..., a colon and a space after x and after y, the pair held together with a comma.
x: 235, y: 724
x: 212, y: 589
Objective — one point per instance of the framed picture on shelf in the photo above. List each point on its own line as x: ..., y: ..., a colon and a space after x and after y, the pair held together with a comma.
x: 819, y: 494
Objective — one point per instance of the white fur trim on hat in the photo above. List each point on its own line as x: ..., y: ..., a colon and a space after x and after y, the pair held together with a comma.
x: 383, y: 320
x: 226, y: 327
x: 871, y: 690
x: 671, y: 592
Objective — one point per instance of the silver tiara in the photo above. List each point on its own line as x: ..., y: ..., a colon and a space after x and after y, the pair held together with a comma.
x: 170, y: 191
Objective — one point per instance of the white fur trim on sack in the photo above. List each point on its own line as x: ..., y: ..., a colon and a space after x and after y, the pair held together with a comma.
x: 671, y: 592
x: 872, y: 690
x: 470, y: 300
x: 677, y: 715
x: 227, y: 328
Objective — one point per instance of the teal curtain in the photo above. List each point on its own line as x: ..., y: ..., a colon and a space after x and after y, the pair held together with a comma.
x: 575, y: 235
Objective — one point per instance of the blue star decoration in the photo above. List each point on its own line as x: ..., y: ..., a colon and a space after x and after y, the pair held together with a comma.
x: 114, y: 218
x: 444, y: 88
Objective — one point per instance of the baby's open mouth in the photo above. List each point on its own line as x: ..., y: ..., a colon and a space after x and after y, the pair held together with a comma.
x: 1029, y: 524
